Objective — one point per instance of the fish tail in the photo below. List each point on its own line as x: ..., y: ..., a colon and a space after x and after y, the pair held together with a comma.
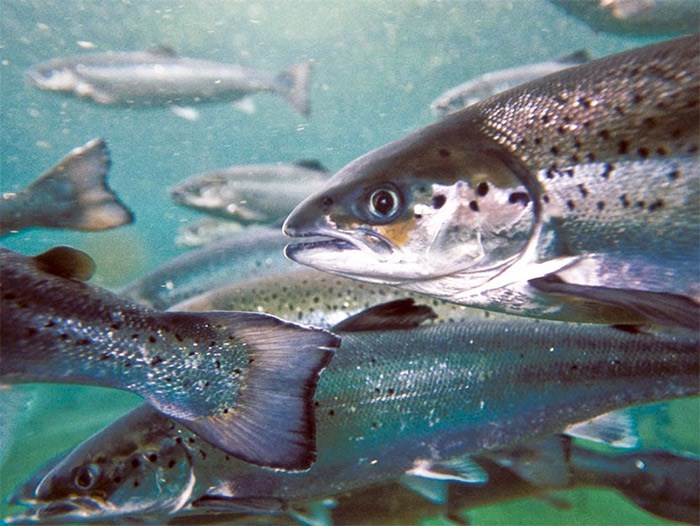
x: 293, y: 85
x: 273, y: 422
x: 75, y: 192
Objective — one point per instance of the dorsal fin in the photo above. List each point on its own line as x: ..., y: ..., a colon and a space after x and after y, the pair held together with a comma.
x: 311, y: 164
x: 577, y: 57
x: 66, y: 262
x: 163, y: 50
x: 393, y: 315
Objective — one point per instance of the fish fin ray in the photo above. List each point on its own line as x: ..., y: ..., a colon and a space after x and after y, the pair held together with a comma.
x: 432, y: 490
x: 77, y: 191
x: 272, y: 423
x: 616, y: 428
x: 66, y: 262
x: 660, y: 308
x: 393, y: 315
x: 543, y: 463
x: 461, y: 469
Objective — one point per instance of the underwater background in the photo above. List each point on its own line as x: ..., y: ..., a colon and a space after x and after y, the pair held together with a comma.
x: 378, y: 65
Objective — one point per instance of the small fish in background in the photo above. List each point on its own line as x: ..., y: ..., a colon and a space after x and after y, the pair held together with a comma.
x: 571, y: 197
x: 161, y: 77
x: 411, y: 402
x: 206, y: 231
x: 489, y: 84
x: 255, y: 252
x: 72, y: 195
x: 636, y: 17
x: 211, y: 371
x: 254, y: 193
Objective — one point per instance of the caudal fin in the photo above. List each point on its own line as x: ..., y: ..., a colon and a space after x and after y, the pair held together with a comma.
x: 271, y: 422
x: 293, y: 85
x: 74, y: 193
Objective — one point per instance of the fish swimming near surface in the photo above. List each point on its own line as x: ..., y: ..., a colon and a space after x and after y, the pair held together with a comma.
x: 255, y: 252
x: 255, y: 193
x: 572, y: 197
x: 474, y: 90
x: 72, y: 195
x: 636, y: 17
x: 161, y: 77
x: 407, y: 401
x: 244, y: 381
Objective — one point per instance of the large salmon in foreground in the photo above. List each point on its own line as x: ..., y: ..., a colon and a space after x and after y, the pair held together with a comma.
x: 572, y: 197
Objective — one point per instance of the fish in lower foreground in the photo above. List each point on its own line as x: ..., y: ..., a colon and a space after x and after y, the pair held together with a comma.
x: 72, y: 195
x: 255, y: 193
x: 660, y: 482
x: 161, y: 77
x: 244, y: 381
x: 415, y: 402
x: 254, y: 252
x: 572, y: 197
x: 474, y: 90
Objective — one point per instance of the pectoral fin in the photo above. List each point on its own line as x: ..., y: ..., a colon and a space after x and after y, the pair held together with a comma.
x: 616, y: 428
x: 659, y: 308
x: 461, y: 469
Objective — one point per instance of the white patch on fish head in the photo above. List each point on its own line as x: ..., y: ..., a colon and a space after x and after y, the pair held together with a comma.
x: 54, y: 79
x: 125, y: 479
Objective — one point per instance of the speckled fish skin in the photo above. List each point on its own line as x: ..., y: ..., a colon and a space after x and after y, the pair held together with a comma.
x: 387, y: 401
x: 205, y: 369
x: 590, y: 175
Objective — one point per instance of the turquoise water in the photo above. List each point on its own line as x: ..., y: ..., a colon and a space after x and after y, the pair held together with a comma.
x: 378, y: 65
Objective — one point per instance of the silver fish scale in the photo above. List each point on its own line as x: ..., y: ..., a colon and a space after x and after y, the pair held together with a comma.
x: 647, y: 103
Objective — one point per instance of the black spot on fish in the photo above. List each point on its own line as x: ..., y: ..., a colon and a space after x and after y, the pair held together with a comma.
x: 519, y: 197
x: 225, y: 411
x: 117, y: 479
x: 127, y: 364
x: 545, y: 119
x: 178, y: 337
x: 590, y: 157
x: 190, y: 440
x: 135, y: 462
x: 136, y: 483
x: 570, y: 204
x: 474, y: 206
x: 538, y: 140
x: 153, y: 457
x: 674, y: 174
x: 578, y: 144
x: 152, y: 339
x: 561, y: 130
x: 482, y: 189
x: 105, y: 356
x: 29, y: 332
x: 178, y: 440
x: 377, y: 390
x: 545, y: 198
x: 640, y: 204
x: 551, y: 172
x: 156, y: 360
x: 327, y: 201
x: 390, y: 391
x: 331, y: 413
x: 206, y: 383
x: 237, y: 371
x: 637, y: 98
x: 554, y: 150
x: 574, y: 367
x: 444, y: 152
x: 134, y: 336
x: 600, y: 205
x: 203, y: 453
x: 656, y: 205
x: 168, y: 379
x: 619, y: 109
x: 49, y: 324
x: 217, y: 364
x: 649, y: 122
x: 375, y: 425
x: 677, y: 133
x: 623, y: 147
x: 83, y: 341
x: 9, y: 296
x: 693, y: 149
x: 604, y: 134
x: 661, y: 151
x: 643, y: 152
x: 583, y: 191
x: 438, y: 201
x: 585, y: 103
x: 607, y: 171
x: 64, y: 336
x: 625, y: 202
x: 575, y: 159
x: 568, y: 172
x: 116, y: 326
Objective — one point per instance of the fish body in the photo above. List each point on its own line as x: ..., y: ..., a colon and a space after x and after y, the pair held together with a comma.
x: 161, y: 77
x: 309, y: 296
x: 391, y: 403
x: 636, y: 17
x: 540, y: 201
x: 207, y: 370
x: 254, y: 252
x: 72, y: 195
x: 257, y: 193
x: 489, y: 84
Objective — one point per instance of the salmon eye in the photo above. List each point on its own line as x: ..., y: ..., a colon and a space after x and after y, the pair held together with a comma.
x: 86, y: 476
x: 384, y: 204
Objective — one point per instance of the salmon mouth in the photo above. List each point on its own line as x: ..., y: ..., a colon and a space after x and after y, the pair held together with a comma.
x: 334, y: 241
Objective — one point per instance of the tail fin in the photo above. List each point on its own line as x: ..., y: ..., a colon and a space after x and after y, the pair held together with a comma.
x: 74, y: 193
x: 293, y: 85
x: 271, y: 422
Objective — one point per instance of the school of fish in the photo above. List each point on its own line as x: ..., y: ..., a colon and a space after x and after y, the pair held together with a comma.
x: 571, y: 200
